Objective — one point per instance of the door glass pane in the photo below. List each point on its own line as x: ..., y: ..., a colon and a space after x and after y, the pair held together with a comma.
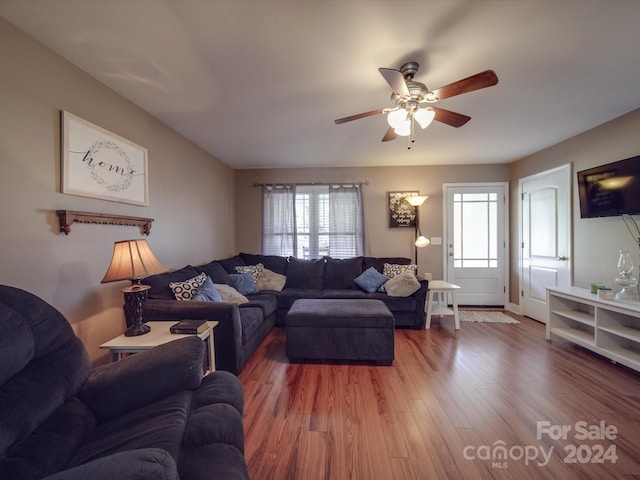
x: 475, y: 230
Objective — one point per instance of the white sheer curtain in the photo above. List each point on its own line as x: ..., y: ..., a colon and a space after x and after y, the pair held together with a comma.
x: 346, y: 225
x: 279, y: 220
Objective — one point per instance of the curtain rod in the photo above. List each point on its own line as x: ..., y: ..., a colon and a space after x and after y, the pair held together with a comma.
x: 364, y: 182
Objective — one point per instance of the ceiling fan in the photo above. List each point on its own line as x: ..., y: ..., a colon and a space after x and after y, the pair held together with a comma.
x: 414, y: 101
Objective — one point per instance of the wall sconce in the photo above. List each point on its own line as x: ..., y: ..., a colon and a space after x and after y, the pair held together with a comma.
x: 133, y: 260
x: 420, y: 240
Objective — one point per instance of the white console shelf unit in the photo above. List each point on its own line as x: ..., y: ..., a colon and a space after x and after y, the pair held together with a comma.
x: 610, y: 328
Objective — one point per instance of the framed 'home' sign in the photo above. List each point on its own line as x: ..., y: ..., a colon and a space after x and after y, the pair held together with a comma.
x: 401, y: 212
x: 99, y: 164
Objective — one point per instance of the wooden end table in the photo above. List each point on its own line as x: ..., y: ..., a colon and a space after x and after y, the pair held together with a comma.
x: 159, y: 335
x: 437, y: 302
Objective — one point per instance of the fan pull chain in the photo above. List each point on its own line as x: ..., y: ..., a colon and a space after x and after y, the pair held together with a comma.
x: 410, y: 138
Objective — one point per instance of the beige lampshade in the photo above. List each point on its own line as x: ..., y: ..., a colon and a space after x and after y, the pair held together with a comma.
x: 422, y: 241
x: 132, y: 260
x: 417, y: 200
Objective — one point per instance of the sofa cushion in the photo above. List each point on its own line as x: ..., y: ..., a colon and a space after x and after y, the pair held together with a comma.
x: 396, y: 304
x: 140, y: 464
x: 49, y: 448
x: 266, y: 302
x: 216, y: 271
x: 270, y: 280
x: 402, y: 285
x: 289, y: 295
x: 244, y: 283
x: 251, y: 319
x: 340, y: 273
x: 230, y: 264
x: 275, y: 263
x: 342, y: 293
x: 207, y: 292
x: 160, y: 426
x: 370, y: 280
x: 186, y: 289
x: 160, y: 283
x: 305, y: 273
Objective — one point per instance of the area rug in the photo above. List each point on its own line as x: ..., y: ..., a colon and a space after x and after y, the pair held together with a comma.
x: 481, y: 316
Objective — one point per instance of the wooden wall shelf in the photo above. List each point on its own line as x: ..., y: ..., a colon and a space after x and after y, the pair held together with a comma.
x: 67, y: 217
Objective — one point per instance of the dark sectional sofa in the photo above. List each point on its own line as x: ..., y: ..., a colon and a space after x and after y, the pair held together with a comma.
x: 243, y: 327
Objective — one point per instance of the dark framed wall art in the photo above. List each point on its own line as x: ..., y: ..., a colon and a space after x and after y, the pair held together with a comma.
x: 99, y: 164
x: 401, y: 213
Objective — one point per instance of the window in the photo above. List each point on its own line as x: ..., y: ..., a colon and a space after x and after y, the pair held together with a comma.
x: 312, y: 221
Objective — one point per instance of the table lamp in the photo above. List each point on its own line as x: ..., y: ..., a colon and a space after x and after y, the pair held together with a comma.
x: 133, y: 260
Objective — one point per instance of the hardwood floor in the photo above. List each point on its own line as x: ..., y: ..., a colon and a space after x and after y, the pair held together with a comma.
x: 443, y: 409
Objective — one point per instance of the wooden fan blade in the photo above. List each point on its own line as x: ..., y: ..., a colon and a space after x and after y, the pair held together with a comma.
x: 450, y: 118
x: 390, y: 135
x: 395, y: 79
x: 358, y: 116
x: 466, y: 85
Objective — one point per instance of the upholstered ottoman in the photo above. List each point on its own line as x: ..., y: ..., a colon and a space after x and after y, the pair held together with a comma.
x: 340, y: 329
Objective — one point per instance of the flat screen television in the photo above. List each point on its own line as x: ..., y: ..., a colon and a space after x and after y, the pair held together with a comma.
x: 610, y: 190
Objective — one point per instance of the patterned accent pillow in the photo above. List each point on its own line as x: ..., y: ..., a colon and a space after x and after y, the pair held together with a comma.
x: 187, y: 289
x: 256, y: 271
x: 393, y: 269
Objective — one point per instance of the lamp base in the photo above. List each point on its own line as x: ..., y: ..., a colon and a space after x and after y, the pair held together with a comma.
x: 134, y: 297
x: 135, y: 330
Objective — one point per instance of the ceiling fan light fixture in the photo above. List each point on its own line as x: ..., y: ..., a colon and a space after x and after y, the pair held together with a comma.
x: 404, y: 129
x: 424, y: 117
x: 397, y: 118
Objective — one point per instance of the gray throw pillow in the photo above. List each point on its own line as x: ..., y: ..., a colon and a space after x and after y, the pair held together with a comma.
x: 370, y: 280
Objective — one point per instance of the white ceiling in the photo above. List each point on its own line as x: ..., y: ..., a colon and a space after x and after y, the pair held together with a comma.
x: 258, y: 84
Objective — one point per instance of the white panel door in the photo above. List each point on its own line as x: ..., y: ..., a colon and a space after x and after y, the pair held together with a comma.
x: 476, y: 247
x: 546, y: 238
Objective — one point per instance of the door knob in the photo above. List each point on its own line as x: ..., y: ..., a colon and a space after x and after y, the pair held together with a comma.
x: 562, y: 259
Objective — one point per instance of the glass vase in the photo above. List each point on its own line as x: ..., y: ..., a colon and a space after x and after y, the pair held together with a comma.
x: 625, y: 278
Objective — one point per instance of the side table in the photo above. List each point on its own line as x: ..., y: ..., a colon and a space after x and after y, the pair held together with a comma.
x: 159, y: 335
x: 437, y: 301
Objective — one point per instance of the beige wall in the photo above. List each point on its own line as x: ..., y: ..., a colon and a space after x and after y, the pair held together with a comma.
x: 191, y: 193
x: 596, y: 241
x: 380, y: 239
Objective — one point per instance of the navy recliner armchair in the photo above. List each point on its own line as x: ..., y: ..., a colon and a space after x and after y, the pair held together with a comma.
x: 148, y: 416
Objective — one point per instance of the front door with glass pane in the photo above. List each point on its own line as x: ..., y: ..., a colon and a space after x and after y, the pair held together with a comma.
x: 475, y: 242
